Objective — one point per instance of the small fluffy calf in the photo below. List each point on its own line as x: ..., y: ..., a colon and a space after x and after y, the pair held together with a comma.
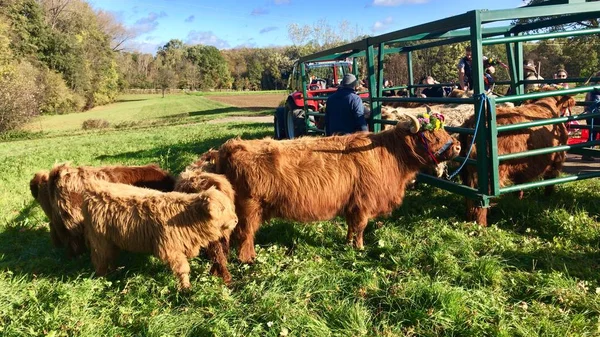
x: 172, y: 226
x: 194, y: 180
x: 66, y: 185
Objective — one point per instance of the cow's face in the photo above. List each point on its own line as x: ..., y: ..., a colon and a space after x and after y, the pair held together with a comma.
x: 39, y: 180
x: 564, y: 102
x: 437, y: 146
x: 431, y: 141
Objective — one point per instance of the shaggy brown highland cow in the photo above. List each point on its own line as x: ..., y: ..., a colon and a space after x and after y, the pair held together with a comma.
x: 173, y: 226
x: 39, y: 190
x: 193, y: 180
x: 66, y: 185
x: 357, y: 176
x: 526, y: 169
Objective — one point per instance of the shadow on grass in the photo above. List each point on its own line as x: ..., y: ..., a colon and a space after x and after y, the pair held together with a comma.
x: 245, y: 125
x: 546, y: 215
x: 580, y: 265
x: 218, y: 111
x: 27, y: 249
x: 29, y: 252
x: 287, y: 234
x: 121, y: 100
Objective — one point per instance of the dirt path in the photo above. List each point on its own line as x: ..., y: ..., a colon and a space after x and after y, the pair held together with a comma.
x: 250, y: 119
x: 252, y: 102
x: 574, y: 165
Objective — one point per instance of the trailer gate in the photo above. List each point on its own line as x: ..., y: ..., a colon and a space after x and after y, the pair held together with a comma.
x: 469, y: 27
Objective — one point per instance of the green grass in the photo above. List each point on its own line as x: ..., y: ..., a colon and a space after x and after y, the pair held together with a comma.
x: 424, y: 272
x: 141, y: 111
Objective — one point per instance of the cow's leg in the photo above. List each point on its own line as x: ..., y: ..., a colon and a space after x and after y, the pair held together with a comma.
x: 62, y: 233
x: 104, y: 254
x: 250, y: 218
x: 357, y: 222
x: 179, y: 265
x: 517, y: 180
x: 350, y: 235
x: 56, y: 241
x: 554, y: 172
x: 216, y: 252
x: 78, y: 244
x: 474, y: 212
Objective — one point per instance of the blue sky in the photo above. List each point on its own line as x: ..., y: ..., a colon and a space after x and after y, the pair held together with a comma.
x: 262, y: 23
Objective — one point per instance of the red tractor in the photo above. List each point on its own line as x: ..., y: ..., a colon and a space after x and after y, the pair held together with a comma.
x: 322, y: 79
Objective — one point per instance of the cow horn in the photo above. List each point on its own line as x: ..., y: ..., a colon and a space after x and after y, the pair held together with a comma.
x: 415, y: 125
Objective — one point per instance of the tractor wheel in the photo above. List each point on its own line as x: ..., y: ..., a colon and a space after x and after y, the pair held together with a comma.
x: 279, y: 123
x: 294, y: 122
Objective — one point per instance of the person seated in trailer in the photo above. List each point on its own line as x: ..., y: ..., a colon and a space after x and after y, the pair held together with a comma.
x: 436, y: 91
x: 465, y: 81
x: 592, y: 96
x: 562, y: 74
x: 531, y: 73
x: 344, y: 111
x: 388, y: 84
x: 488, y: 78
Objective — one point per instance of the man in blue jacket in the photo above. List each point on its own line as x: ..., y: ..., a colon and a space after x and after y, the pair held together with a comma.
x: 344, y: 112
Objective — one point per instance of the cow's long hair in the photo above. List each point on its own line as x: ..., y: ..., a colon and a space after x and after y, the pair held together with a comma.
x: 358, y: 176
x: 194, y: 180
x: 522, y: 170
x: 66, y: 185
x: 172, y: 225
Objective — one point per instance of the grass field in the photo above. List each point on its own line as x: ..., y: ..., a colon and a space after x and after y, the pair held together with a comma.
x: 425, y: 271
x: 141, y: 111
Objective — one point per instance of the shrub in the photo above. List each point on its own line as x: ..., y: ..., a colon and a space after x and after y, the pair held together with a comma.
x: 89, y: 124
x: 19, y: 96
x: 56, y: 97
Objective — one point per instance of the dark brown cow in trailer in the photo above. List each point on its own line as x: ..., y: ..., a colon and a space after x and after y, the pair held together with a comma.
x: 66, y: 185
x: 357, y: 176
x: 522, y: 170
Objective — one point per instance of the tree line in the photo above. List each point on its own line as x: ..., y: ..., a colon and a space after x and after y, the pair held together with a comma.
x: 62, y: 56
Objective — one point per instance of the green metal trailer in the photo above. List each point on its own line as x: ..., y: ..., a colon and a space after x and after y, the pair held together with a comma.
x: 479, y: 27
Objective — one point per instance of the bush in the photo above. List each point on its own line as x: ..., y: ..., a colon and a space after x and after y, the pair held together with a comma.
x: 56, y: 97
x: 90, y: 124
x: 19, y: 96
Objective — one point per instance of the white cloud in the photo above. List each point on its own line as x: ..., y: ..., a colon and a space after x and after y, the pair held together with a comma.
x: 391, y: 3
x: 145, y: 47
x: 268, y: 29
x: 206, y: 38
x: 148, y: 23
x: 383, y: 24
x: 259, y: 11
